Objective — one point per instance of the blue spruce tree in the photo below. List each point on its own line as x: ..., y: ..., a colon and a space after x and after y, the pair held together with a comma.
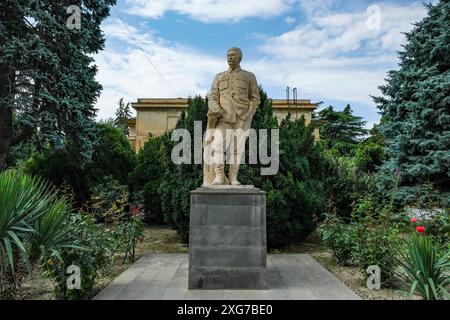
x: 415, y: 105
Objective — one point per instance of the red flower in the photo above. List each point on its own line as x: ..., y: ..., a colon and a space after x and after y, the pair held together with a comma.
x: 413, y: 220
x: 135, y: 211
x: 420, y: 229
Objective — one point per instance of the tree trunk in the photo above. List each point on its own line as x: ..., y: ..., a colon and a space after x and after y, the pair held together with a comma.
x: 5, y: 115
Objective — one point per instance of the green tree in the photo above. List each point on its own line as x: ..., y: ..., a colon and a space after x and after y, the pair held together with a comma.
x: 341, y: 131
x: 47, y: 75
x: 123, y: 112
x: 370, y: 154
x: 415, y: 105
x: 112, y: 156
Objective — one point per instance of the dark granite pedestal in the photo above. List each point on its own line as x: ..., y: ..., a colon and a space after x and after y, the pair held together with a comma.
x: 227, y: 242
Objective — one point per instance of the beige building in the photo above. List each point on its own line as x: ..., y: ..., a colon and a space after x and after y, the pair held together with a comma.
x: 156, y: 116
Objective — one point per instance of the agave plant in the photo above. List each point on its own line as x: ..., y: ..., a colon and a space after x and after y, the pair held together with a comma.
x: 425, y: 271
x: 23, y: 199
x: 52, y: 231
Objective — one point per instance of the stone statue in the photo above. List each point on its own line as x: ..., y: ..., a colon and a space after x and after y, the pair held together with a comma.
x: 232, y: 103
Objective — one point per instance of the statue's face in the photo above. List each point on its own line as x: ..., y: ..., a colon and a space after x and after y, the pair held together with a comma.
x: 233, y: 58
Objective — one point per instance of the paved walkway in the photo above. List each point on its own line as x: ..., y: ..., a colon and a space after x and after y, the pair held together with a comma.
x: 165, y: 276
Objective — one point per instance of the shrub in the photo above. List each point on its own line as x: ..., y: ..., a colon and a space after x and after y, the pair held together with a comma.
x: 93, y: 255
x: 109, y: 200
x: 376, y: 237
x: 147, y: 177
x: 112, y: 156
x: 344, y: 184
x: 127, y: 233
x: 339, y: 237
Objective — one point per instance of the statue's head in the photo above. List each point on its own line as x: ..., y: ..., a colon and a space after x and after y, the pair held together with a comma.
x: 234, y: 57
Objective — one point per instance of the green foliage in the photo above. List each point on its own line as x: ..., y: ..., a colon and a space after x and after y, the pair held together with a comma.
x: 32, y: 224
x: 148, y: 175
x: 127, y: 233
x: 439, y: 228
x: 295, y: 195
x: 431, y: 213
x: 113, y: 156
x: 415, y: 105
x: 425, y: 269
x: 123, y: 112
x: 339, y: 237
x: 109, y: 201
x: 47, y: 75
x: 368, y: 156
x: 93, y: 255
x: 344, y: 184
x: 23, y: 200
x: 377, y: 237
x: 340, y: 131
x: 52, y: 231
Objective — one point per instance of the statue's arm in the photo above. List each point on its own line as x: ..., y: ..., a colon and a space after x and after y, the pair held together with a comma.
x: 214, y: 98
x: 254, y: 93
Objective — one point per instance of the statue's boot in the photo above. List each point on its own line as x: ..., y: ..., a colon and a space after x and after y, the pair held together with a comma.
x: 232, y: 176
x: 219, y: 175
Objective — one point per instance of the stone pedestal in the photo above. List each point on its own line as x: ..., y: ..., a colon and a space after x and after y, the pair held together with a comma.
x: 227, y: 241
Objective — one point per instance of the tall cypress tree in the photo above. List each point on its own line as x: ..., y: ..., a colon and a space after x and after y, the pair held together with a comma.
x: 47, y: 75
x: 415, y: 105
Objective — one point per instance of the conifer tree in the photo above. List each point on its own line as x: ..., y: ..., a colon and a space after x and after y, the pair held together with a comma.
x: 47, y: 75
x: 415, y: 105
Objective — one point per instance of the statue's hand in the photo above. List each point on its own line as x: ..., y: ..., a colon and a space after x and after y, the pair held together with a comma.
x: 252, y: 108
x: 214, y: 108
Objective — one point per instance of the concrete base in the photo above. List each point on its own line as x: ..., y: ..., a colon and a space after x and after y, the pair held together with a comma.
x: 227, y: 238
x: 165, y: 277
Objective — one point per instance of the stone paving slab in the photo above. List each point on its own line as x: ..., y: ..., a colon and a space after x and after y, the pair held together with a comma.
x: 165, y: 277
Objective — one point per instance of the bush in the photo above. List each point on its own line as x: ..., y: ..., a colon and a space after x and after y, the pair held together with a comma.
x: 147, y: 177
x: 112, y: 156
x: 344, y: 184
x: 376, y: 237
x: 109, y: 200
x: 339, y: 237
x: 93, y: 255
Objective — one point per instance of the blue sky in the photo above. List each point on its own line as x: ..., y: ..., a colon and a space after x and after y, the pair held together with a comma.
x: 333, y: 51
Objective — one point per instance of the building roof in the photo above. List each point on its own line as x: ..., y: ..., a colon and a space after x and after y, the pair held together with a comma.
x: 143, y: 103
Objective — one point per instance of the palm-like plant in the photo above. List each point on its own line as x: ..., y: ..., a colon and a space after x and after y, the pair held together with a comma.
x: 23, y: 199
x: 425, y: 272
x: 53, y: 231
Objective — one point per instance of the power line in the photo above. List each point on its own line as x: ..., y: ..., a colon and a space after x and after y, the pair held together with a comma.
x: 145, y: 53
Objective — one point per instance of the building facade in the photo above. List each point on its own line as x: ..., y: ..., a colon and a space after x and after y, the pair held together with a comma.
x: 156, y: 116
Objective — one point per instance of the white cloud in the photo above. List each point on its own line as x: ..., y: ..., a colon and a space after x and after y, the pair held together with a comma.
x: 330, y: 56
x: 289, y: 20
x: 210, y: 11
x: 335, y: 55
x: 131, y: 73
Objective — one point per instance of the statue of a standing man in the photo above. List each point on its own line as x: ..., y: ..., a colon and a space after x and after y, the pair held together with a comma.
x: 232, y: 103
